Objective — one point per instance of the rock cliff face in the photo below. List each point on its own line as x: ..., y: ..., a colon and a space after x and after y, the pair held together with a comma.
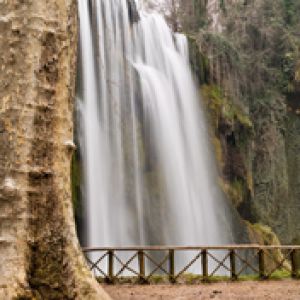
x: 40, y: 254
x: 292, y: 139
x: 270, y: 203
x: 248, y: 69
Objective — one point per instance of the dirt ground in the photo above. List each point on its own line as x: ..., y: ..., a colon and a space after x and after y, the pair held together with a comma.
x: 275, y: 290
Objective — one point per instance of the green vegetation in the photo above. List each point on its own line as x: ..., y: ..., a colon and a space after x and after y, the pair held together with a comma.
x: 190, y: 279
x: 235, y: 191
x: 221, y: 105
x: 199, y: 62
x: 269, y: 44
x: 250, y: 79
x: 264, y: 235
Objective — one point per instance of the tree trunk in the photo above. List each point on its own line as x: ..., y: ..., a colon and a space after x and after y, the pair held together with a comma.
x: 40, y: 255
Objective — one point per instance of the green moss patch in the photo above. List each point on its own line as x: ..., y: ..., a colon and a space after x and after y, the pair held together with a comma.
x: 221, y: 106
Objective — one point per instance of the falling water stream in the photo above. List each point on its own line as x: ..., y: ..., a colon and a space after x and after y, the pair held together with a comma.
x: 149, y: 169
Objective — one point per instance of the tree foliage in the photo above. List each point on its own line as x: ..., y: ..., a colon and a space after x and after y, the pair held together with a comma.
x: 259, y: 45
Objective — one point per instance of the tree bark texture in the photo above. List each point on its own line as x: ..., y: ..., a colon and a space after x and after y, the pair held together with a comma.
x: 40, y: 257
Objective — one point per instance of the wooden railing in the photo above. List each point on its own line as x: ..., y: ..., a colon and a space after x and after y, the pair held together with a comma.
x: 234, y: 261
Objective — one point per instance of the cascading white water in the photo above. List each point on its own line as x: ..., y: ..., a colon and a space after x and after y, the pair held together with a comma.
x: 149, y: 172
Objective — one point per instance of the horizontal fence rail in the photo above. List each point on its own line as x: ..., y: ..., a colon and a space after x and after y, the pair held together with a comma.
x: 205, y: 263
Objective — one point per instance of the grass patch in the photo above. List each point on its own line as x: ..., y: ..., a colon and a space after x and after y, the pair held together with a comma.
x: 191, y: 279
x: 280, y: 274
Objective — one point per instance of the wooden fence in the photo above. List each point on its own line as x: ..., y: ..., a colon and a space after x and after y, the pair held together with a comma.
x: 234, y: 261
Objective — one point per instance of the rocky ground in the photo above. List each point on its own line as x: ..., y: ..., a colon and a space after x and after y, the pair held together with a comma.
x: 273, y: 290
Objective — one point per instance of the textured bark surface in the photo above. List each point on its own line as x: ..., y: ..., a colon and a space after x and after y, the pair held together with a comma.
x: 40, y: 255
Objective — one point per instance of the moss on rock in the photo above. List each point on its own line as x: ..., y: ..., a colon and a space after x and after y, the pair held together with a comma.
x: 264, y: 235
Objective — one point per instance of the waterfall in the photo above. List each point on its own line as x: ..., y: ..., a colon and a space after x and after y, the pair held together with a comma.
x: 149, y: 170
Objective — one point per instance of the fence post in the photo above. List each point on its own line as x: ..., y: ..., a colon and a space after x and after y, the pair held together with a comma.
x: 141, y: 258
x: 171, y: 266
x: 261, y: 263
x: 294, y: 270
x: 204, y: 264
x: 110, y: 266
x: 232, y: 265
